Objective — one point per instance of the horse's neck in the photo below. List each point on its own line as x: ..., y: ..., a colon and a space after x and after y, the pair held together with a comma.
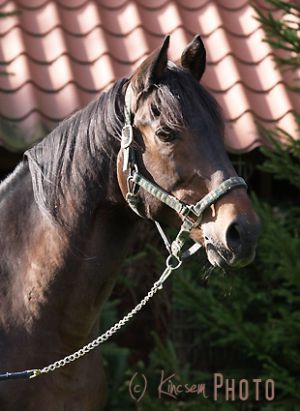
x: 86, y: 277
x: 57, y: 277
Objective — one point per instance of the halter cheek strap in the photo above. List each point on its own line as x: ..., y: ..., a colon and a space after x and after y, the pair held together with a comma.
x: 191, y: 214
x: 127, y: 131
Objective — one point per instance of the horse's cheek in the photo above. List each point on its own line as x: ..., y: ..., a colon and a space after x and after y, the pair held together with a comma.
x: 121, y: 175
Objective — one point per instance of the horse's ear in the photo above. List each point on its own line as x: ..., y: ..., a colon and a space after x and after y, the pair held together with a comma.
x: 193, y: 57
x: 151, y: 71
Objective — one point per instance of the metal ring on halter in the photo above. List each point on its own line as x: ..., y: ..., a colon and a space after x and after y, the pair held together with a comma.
x: 176, y: 260
x: 130, y: 179
x: 129, y: 182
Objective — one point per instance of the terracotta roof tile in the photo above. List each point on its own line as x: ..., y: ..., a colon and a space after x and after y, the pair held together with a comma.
x: 62, y: 53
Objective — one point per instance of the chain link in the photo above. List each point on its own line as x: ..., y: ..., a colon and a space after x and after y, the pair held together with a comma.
x: 158, y: 285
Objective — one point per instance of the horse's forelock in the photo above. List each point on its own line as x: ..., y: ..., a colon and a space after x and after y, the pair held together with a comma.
x: 179, y: 97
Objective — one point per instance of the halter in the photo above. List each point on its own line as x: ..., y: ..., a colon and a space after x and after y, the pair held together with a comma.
x: 191, y: 214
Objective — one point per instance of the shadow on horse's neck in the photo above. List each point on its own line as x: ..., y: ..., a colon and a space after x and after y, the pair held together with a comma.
x: 79, y: 225
x: 74, y: 168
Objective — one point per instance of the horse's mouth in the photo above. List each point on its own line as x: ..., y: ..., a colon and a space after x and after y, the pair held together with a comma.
x: 215, y: 256
x: 219, y: 256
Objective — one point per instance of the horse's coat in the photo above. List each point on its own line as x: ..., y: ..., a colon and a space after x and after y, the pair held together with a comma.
x: 65, y: 226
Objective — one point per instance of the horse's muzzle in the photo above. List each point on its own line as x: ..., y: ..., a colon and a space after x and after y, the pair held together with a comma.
x: 238, y: 247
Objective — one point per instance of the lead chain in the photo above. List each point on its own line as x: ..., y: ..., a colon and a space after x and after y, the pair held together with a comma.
x: 158, y: 285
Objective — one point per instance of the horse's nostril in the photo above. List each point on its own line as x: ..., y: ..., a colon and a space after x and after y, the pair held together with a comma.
x: 233, y: 237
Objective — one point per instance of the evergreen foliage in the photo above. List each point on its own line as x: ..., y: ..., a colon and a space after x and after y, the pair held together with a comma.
x: 283, y: 34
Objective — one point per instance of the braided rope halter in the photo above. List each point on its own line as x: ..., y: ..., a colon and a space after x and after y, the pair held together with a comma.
x: 191, y: 215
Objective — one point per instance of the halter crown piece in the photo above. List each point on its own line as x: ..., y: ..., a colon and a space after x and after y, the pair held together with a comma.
x: 191, y: 214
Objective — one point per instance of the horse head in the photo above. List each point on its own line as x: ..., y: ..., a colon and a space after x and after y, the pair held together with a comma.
x: 178, y: 139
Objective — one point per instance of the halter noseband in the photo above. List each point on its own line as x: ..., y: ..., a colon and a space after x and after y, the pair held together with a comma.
x: 191, y: 214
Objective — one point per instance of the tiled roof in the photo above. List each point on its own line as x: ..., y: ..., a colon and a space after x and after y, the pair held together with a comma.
x: 62, y: 53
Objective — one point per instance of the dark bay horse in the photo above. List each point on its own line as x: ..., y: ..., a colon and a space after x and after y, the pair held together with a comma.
x: 65, y: 224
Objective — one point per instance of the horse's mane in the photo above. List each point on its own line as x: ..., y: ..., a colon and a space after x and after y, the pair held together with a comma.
x: 8, y: 183
x: 73, y: 154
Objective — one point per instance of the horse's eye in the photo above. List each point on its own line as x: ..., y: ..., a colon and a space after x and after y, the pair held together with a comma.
x: 166, y: 134
x: 155, y: 110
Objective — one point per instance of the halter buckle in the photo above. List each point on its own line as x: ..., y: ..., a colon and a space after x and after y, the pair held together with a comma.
x: 127, y: 138
x: 190, y: 216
